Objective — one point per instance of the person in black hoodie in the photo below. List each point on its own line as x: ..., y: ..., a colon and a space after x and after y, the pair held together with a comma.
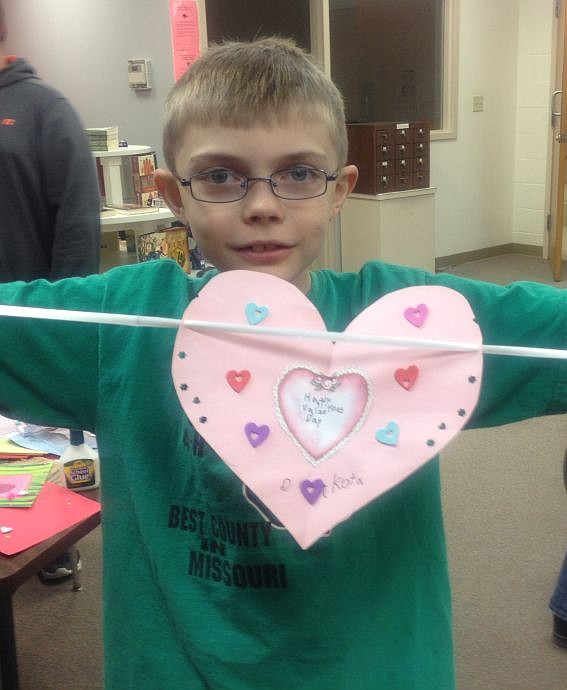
x: 49, y: 194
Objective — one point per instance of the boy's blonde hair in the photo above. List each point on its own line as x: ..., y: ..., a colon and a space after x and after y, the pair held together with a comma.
x: 237, y: 84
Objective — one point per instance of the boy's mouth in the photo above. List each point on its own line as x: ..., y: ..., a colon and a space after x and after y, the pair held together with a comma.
x: 260, y: 248
x: 265, y: 251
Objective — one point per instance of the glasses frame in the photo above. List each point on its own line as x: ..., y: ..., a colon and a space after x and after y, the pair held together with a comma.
x: 186, y: 182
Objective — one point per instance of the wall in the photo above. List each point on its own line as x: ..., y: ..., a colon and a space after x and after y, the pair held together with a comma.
x: 491, y: 179
x: 81, y: 47
x: 533, y: 116
x: 473, y: 173
x: 489, y: 183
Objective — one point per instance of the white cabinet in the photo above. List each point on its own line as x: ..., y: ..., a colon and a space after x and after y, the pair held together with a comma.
x: 395, y: 227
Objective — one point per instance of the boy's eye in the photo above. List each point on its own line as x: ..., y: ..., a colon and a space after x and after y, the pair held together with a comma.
x: 219, y: 176
x: 297, y: 174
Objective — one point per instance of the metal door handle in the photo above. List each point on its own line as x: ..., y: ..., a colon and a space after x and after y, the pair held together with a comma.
x: 555, y: 113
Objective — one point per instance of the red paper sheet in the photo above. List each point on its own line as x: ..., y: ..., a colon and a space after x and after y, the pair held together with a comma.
x: 55, y: 509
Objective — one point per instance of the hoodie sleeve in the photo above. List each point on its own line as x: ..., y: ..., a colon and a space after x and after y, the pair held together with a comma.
x: 72, y: 192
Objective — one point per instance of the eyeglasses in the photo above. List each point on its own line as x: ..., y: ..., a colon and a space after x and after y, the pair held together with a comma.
x: 221, y: 185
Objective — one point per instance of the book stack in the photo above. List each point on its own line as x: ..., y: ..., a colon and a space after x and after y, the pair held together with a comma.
x: 102, y: 138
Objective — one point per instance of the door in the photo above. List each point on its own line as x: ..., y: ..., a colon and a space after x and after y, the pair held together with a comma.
x: 559, y: 147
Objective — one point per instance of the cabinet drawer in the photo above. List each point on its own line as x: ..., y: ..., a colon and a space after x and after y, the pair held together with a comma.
x: 403, y: 181
x: 420, y: 179
x: 385, y: 152
x: 383, y: 167
x: 421, y: 131
x: 420, y: 148
x: 384, y: 183
x: 421, y: 163
x: 404, y: 166
x: 404, y: 135
x: 385, y: 135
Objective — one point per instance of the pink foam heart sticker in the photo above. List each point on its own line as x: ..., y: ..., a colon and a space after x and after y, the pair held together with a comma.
x: 317, y: 432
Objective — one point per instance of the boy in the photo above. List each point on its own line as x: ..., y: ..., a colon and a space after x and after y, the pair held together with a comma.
x: 256, y: 146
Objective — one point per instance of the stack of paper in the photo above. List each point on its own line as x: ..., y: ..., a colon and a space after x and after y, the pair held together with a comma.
x: 102, y: 138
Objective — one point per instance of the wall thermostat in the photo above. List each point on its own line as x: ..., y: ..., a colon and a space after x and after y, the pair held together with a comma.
x: 139, y: 77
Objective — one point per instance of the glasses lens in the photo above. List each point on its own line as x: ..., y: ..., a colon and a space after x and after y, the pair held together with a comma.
x: 218, y: 186
x: 299, y: 182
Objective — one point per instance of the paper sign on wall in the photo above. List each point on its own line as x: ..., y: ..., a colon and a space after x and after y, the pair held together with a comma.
x: 184, y: 22
x: 317, y: 429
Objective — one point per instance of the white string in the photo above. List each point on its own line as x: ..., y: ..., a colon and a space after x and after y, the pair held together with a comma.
x: 335, y: 336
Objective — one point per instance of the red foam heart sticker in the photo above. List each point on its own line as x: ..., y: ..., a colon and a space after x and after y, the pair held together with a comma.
x: 238, y: 380
x: 407, y: 377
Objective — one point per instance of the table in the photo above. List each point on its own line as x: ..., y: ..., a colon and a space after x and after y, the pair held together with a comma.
x: 145, y: 221
x: 15, y: 570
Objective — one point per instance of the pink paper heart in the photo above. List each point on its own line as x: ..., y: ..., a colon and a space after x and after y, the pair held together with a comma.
x: 322, y: 429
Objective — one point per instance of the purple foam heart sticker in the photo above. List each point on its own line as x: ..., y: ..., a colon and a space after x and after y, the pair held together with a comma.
x: 255, y: 434
x: 416, y: 315
x: 312, y: 490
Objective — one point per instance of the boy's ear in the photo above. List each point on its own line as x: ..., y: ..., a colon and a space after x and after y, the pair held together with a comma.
x: 343, y: 186
x: 169, y: 189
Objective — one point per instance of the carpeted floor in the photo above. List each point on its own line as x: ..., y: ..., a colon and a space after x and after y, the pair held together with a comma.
x: 506, y: 521
x: 506, y: 518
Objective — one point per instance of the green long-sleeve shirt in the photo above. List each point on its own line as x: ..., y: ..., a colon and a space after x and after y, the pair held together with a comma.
x: 199, y: 590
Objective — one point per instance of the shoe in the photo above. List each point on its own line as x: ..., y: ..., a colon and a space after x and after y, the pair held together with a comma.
x: 60, y: 569
x: 560, y: 631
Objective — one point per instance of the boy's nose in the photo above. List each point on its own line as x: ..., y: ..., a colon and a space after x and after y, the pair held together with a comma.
x: 260, y: 201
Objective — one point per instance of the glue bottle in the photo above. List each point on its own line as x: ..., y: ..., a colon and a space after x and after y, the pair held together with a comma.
x: 79, y: 464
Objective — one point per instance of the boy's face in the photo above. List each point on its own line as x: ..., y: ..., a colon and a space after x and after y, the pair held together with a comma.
x: 260, y: 232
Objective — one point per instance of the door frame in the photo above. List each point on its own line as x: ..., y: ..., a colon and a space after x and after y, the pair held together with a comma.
x: 557, y: 157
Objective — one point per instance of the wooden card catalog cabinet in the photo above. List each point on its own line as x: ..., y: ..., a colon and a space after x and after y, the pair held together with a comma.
x: 390, y: 156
